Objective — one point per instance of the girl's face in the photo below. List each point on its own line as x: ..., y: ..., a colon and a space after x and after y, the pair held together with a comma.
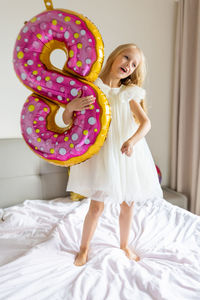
x: 126, y: 63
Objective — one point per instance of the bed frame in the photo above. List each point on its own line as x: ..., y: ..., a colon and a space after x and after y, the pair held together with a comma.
x: 24, y: 175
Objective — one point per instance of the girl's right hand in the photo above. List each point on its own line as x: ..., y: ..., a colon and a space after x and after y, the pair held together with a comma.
x: 80, y: 103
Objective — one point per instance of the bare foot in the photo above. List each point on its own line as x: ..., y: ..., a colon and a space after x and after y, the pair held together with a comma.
x: 131, y: 254
x: 81, y: 258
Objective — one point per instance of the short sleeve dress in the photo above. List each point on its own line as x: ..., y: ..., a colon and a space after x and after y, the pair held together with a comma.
x: 109, y: 175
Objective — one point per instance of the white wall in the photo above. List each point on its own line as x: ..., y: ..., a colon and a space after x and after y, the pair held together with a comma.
x: 148, y: 23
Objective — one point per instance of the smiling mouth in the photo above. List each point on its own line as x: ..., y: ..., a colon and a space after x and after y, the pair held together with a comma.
x: 124, y: 70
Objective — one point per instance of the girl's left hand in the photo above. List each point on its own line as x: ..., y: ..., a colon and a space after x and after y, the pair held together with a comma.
x: 127, y: 148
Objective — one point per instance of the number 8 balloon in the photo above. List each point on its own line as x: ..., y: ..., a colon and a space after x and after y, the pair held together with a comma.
x: 54, y: 88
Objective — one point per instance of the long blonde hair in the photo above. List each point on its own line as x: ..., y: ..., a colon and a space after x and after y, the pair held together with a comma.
x: 136, y: 78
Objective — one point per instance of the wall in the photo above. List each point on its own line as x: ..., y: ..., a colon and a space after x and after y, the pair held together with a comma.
x: 148, y: 23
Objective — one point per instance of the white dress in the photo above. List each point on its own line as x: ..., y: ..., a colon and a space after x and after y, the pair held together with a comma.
x: 110, y: 175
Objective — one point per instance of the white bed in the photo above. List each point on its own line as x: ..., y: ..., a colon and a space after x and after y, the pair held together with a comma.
x: 40, y: 238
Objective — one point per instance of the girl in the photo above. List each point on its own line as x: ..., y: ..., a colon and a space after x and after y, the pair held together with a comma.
x: 123, y: 171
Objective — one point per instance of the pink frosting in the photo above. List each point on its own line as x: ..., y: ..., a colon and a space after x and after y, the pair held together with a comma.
x: 70, y: 29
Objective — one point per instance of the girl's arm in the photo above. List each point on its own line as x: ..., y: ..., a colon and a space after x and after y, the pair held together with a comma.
x: 145, y: 126
x: 76, y: 105
x: 145, y: 123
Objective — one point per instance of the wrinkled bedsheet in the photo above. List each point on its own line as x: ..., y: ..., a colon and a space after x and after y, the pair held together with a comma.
x: 39, y: 240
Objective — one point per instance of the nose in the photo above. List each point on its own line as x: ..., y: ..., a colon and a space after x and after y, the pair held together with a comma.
x: 128, y: 65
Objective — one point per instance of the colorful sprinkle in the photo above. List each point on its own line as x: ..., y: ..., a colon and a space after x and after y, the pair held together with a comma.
x: 91, y: 120
x: 79, y: 45
x: 67, y: 19
x: 23, y: 76
x: 25, y: 29
x: 59, y: 79
x: 62, y: 151
x: 79, y: 63
x: 49, y: 85
x: 54, y: 22
x: 74, y: 92
x: 87, y: 141
x: 74, y: 136
x: 39, y: 36
x: 31, y: 108
x: 66, y: 34
x: 76, y: 35
x: 85, y: 132
x: 29, y: 130
x: 83, y: 32
x: 88, y: 61
x: 33, y: 20
x: 30, y: 62
x: 20, y: 54
x: 71, y: 53
x: 36, y: 44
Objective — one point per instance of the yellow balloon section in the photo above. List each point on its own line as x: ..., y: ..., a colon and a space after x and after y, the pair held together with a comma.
x: 54, y: 88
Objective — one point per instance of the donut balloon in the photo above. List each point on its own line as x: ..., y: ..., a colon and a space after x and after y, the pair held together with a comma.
x: 54, y: 88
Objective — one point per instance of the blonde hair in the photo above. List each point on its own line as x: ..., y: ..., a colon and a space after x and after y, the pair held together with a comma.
x: 136, y: 78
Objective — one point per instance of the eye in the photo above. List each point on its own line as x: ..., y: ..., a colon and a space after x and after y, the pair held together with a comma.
x: 126, y: 56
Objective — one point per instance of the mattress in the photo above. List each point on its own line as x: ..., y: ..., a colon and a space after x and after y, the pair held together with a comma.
x: 39, y: 240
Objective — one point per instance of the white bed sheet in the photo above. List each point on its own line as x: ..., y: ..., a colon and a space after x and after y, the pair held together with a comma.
x: 39, y: 240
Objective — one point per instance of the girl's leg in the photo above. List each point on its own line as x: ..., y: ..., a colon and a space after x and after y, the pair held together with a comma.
x: 89, y: 226
x: 125, y: 217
